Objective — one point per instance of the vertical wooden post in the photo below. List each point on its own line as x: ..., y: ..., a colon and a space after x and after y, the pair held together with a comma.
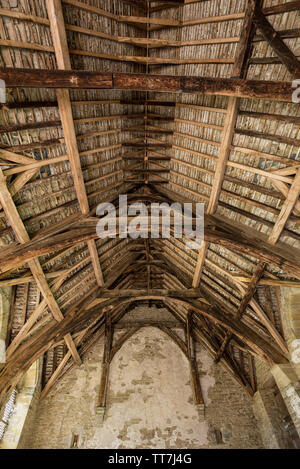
x: 195, y: 380
x: 101, y: 406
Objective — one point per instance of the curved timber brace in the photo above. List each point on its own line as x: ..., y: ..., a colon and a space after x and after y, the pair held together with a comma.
x: 195, y: 380
x: 110, y: 350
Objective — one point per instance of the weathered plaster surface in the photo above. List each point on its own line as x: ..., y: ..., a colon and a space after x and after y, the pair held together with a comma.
x: 291, y: 323
x: 22, y: 418
x: 294, y: 398
x: 276, y: 405
x: 150, y: 402
x: 295, y: 351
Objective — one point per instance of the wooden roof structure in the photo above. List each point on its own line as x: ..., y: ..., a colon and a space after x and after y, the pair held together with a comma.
x: 166, y: 101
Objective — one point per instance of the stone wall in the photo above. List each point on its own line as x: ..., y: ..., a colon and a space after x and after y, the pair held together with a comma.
x: 22, y: 419
x: 150, y: 403
x: 5, y: 294
x: 291, y: 323
x: 271, y: 409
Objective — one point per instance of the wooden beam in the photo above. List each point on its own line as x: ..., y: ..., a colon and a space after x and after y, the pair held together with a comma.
x: 34, y: 317
x: 200, y: 264
x: 124, y: 293
x: 238, y: 238
x: 59, y: 38
x: 34, y: 264
x: 262, y: 316
x: 285, y: 55
x: 195, y: 380
x: 251, y: 289
x: 232, y: 109
x: 286, y: 210
x: 76, y: 318
x: 24, y: 78
x: 228, y: 131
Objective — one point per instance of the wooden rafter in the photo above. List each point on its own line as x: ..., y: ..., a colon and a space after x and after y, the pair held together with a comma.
x: 286, y: 210
x: 34, y: 264
x: 76, y: 319
x: 108, y: 340
x: 169, y: 267
x: 243, y: 304
x: 228, y: 131
x: 59, y: 38
x: 273, y: 38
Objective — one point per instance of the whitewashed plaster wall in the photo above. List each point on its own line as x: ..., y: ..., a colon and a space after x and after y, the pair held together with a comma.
x: 150, y: 402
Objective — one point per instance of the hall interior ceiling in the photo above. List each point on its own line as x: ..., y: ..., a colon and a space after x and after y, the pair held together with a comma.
x: 226, y: 139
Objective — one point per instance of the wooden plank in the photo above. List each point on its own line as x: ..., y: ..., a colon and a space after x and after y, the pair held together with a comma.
x: 33, y: 318
x: 118, y: 58
x: 256, y: 307
x: 10, y: 318
x: 251, y: 288
x: 232, y: 109
x: 190, y: 293
x: 284, y: 189
x: 24, y: 78
x: 200, y: 264
x: 238, y: 238
x: 274, y: 138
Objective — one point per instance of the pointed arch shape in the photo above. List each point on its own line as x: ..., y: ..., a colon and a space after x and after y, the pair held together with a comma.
x: 75, y: 320
x: 171, y: 334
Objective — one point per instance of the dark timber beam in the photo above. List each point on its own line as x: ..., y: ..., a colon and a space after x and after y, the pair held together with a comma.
x: 285, y: 55
x: 24, y: 78
x: 251, y: 243
x: 192, y: 293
